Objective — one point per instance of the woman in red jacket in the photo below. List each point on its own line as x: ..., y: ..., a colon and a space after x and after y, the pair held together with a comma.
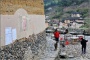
x: 56, y: 36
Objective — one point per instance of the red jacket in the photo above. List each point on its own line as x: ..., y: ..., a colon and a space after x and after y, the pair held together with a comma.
x: 56, y: 34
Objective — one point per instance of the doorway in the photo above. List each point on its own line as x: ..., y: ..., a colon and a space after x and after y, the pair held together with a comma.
x: 10, y: 35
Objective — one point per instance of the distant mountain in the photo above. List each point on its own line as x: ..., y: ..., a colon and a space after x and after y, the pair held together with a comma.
x: 63, y: 3
x: 50, y: 3
x: 57, y: 9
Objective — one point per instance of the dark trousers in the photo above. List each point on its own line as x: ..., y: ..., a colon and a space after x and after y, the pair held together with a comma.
x: 84, y: 49
x: 56, y: 44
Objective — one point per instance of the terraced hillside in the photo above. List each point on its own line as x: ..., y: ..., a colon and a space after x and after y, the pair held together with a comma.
x: 31, y: 6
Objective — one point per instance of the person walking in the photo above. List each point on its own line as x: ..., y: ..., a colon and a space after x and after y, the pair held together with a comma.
x: 56, y: 36
x: 66, y: 31
x: 67, y: 37
x: 83, y: 43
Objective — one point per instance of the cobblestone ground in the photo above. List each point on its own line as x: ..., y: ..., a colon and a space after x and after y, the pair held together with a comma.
x: 75, y: 50
x: 49, y: 53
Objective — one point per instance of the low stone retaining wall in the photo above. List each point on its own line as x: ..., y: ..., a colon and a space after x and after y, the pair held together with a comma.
x: 30, y: 48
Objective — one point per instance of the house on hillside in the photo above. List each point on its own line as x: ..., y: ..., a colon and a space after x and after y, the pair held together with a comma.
x: 75, y: 14
x: 74, y: 21
x: 54, y: 23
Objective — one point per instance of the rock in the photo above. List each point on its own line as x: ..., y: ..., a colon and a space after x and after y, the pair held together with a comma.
x: 70, y: 56
x: 24, y: 48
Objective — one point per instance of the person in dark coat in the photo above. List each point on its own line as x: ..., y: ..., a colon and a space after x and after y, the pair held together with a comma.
x: 83, y: 43
x: 66, y: 31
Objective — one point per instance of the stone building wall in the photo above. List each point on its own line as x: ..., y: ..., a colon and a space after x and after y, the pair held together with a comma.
x: 20, y: 18
x: 30, y: 48
x: 9, y: 7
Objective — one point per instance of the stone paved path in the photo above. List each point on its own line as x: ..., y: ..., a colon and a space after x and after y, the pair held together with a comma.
x: 49, y: 53
x: 76, y: 51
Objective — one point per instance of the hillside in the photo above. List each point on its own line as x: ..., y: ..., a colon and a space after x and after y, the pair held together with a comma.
x: 63, y: 8
x: 31, y: 6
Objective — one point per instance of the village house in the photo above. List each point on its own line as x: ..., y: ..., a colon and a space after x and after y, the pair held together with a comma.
x: 75, y: 14
x: 54, y: 23
x: 74, y: 21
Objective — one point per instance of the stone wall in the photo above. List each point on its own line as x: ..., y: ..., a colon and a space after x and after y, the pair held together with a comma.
x: 30, y: 48
x: 9, y: 7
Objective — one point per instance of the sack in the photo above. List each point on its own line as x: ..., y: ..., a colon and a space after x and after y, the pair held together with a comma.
x: 63, y: 45
x: 67, y: 42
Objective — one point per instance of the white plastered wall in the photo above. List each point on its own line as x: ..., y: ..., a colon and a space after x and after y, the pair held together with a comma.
x: 34, y: 24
